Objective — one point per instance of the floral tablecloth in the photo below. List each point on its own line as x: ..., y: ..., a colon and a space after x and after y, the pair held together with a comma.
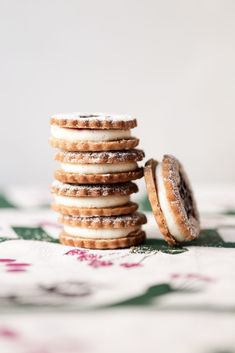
x: 59, y: 299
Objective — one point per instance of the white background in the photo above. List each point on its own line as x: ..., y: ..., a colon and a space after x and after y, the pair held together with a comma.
x: 169, y: 63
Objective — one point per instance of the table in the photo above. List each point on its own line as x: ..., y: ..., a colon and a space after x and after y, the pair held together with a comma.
x: 56, y: 298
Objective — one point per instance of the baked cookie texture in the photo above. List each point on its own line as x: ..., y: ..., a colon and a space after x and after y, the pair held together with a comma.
x: 133, y: 239
x: 94, y: 121
x: 128, y: 225
x: 94, y: 145
x: 99, y: 167
x: 124, y: 221
x: 93, y: 186
x: 129, y: 207
x: 93, y: 192
x: 172, y: 200
x: 92, y: 132
x: 110, y: 157
x: 76, y: 178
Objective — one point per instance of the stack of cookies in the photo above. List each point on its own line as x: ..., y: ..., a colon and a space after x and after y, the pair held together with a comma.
x: 94, y: 183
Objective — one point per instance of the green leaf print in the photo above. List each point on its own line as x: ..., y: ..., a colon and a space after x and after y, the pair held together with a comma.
x: 144, y: 204
x: 5, y: 203
x: 154, y: 245
x: 36, y: 233
x: 147, y: 297
x: 229, y: 212
x: 210, y: 238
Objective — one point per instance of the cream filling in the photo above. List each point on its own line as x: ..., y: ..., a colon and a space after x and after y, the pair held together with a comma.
x: 164, y: 203
x: 92, y: 202
x: 99, y: 233
x: 98, y: 168
x: 88, y: 134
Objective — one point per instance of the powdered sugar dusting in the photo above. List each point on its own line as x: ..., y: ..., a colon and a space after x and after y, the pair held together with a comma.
x: 93, y: 116
x: 105, y: 190
x: 136, y: 218
x: 121, y: 156
x: 183, y: 196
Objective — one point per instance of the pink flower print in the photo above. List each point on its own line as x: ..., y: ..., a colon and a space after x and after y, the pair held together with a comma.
x: 18, y: 264
x: 7, y: 260
x: 17, y: 267
x: 8, y: 333
x: 193, y: 282
x: 92, y: 260
x: 100, y: 263
x: 11, y: 265
x: 130, y: 264
x: 73, y: 252
x: 196, y: 276
x: 200, y: 277
x: 85, y: 256
x: 175, y: 275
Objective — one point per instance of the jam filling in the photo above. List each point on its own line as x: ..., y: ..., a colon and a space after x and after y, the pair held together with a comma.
x: 186, y: 197
x: 91, y: 116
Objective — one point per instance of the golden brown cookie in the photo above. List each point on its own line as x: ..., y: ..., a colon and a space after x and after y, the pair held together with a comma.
x: 128, y: 208
x: 75, y: 178
x: 94, y: 121
x: 72, y: 190
x: 99, y: 167
x: 101, y: 157
x: 113, y: 222
x: 93, y: 192
x: 172, y: 200
x: 103, y: 232
x: 133, y: 239
x: 123, y: 144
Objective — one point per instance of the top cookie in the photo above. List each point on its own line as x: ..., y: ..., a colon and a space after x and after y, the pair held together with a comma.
x: 94, y: 121
x: 172, y: 200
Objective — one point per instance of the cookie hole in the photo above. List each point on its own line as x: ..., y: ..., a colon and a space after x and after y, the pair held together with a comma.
x: 186, y: 197
x: 90, y: 116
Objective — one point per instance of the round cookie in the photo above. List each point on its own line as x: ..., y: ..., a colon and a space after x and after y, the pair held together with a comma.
x: 92, y: 132
x: 94, y: 121
x: 67, y: 198
x: 114, y: 145
x: 75, y: 178
x: 133, y: 239
x: 93, y: 190
x: 90, y: 212
x: 172, y: 200
x: 103, y: 232
x: 99, y: 167
x: 109, y: 157
x: 113, y: 222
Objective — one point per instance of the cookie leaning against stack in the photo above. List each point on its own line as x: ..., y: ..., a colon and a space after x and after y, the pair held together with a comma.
x: 93, y: 184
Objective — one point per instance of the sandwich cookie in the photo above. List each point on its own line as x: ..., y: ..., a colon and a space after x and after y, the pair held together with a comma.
x: 172, y: 200
x: 103, y: 232
x: 93, y: 200
x: 92, y: 132
x: 99, y: 167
